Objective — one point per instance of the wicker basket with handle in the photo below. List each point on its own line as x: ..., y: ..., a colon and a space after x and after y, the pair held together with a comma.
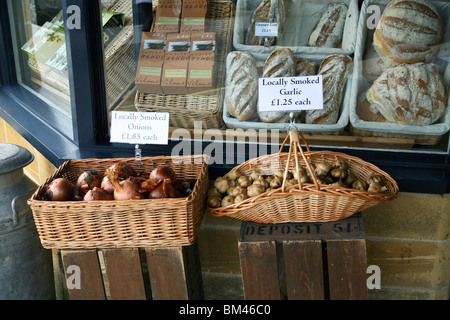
x: 121, y: 224
x: 307, y: 202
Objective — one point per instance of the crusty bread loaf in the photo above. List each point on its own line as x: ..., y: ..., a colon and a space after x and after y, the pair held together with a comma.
x: 268, y: 11
x: 373, y: 64
x: 335, y: 70
x: 367, y: 112
x: 241, y: 81
x: 409, y: 31
x: 411, y: 94
x: 305, y: 67
x: 328, y: 30
x: 280, y: 63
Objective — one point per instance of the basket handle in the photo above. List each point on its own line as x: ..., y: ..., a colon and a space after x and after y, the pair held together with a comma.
x: 294, y: 136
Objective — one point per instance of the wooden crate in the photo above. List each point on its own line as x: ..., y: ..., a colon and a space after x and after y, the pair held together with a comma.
x: 304, y: 261
x: 166, y: 273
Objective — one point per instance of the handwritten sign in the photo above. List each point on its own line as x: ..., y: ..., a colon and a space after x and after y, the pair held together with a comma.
x: 266, y: 29
x: 291, y: 93
x: 140, y: 128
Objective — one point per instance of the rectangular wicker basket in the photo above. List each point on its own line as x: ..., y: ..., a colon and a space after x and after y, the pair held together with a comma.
x: 122, y: 224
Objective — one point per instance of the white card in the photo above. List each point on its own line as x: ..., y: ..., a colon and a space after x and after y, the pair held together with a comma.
x: 266, y: 29
x: 291, y: 93
x: 140, y: 128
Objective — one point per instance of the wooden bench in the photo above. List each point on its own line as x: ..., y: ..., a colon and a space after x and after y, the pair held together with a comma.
x: 304, y: 261
x: 169, y: 273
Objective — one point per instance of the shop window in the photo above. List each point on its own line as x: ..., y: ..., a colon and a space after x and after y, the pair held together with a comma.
x: 39, y: 47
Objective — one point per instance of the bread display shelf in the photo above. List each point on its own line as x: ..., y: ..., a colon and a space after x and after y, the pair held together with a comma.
x: 423, y: 135
x: 184, y: 109
x: 315, y: 129
x: 301, y: 19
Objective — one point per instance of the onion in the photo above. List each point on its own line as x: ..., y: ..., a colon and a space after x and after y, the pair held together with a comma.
x: 98, y: 194
x: 107, y: 185
x: 163, y: 190
x: 120, y: 171
x: 88, y: 180
x: 162, y: 173
x: 60, y: 189
x: 126, y: 190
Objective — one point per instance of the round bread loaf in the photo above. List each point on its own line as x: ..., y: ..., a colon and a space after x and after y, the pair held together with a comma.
x: 411, y: 94
x: 409, y: 31
x: 328, y: 30
x: 241, y: 81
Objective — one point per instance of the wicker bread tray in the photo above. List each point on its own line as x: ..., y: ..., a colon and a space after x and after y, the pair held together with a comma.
x: 422, y: 135
x: 121, y: 224
x: 120, y: 66
x: 207, y: 108
x: 307, y: 202
x: 300, y: 20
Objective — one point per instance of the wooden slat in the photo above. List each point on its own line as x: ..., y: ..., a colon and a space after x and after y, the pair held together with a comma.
x: 304, y: 270
x: 259, y: 270
x: 90, y: 274
x: 124, y: 274
x: 166, y: 268
x: 347, y: 267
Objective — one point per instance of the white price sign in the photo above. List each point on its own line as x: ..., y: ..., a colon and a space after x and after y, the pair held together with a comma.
x: 140, y: 128
x: 266, y: 29
x: 291, y: 93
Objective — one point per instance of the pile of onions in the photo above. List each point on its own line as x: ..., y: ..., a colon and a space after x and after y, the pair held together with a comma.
x: 120, y: 182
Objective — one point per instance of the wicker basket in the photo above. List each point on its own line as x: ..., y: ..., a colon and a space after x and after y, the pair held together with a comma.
x: 186, y: 109
x: 121, y: 224
x: 308, y: 202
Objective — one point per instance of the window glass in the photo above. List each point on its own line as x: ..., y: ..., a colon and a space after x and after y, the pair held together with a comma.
x: 39, y: 46
x: 310, y: 63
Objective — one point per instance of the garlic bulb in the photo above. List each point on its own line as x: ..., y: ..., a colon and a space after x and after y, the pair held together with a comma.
x: 214, y: 202
x: 256, y: 173
x: 359, y: 185
x: 244, y: 181
x: 339, y: 173
x: 230, y: 190
x: 233, y: 175
x: 340, y: 163
x: 276, y: 182
x: 375, y: 178
x: 222, y: 184
x: 240, y: 198
x: 322, y: 169
x: 213, y: 192
x: 376, y: 187
x: 227, y: 201
x: 301, y: 172
x: 239, y: 191
x: 255, y: 190
x: 262, y: 182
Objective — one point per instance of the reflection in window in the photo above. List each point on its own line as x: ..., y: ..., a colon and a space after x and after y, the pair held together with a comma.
x: 40, y: 49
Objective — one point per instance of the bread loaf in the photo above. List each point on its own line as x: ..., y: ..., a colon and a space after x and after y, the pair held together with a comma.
x: 411, y: 94
x: 373, y: 64
x: 280, y: 63
x: 268, y: 11
x: 335, y: 70
x: 367, y: 112
x: 409, y: 31
x: 241, y: 81
x: 328, y: 31
x: 305, y: 68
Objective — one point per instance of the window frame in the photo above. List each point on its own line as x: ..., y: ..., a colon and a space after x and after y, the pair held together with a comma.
x: 47, y: 130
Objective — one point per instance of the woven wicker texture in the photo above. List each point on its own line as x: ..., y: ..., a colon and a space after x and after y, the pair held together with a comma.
x: 121, y: 224
x: 308, y: 202
x: 186, y: 109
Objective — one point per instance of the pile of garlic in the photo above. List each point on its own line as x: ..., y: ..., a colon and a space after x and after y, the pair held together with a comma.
x: 235, y: 187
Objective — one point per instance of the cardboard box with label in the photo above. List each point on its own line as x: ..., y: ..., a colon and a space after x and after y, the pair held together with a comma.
x: 168, y: 15
x: 193, y: 17
x: 174, y: 78
x: 151, y: 62
x: 201, y: 75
